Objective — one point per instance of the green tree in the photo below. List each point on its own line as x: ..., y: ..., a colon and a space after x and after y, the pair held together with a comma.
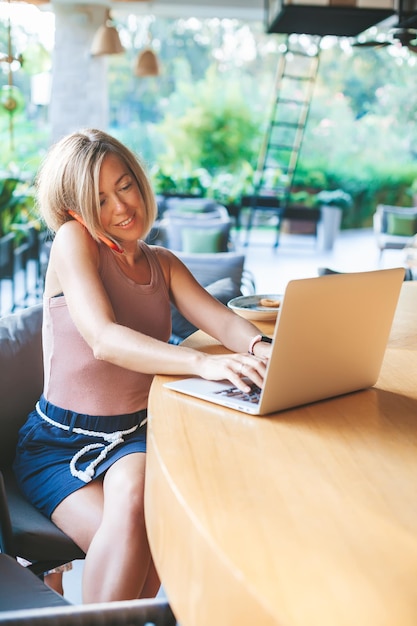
x: 217, y: 129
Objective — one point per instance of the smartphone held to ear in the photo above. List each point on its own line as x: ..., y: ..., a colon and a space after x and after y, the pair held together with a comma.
x: 104, y: 239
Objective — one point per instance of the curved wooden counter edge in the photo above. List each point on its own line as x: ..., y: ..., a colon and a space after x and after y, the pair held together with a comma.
x: 207, y: 584
x: 202, y: 587
x: 338, y: 545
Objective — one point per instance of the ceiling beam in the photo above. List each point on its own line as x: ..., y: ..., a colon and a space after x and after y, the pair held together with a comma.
x: 238, y: 9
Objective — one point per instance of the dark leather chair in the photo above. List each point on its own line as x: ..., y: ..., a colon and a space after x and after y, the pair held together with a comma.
x: 21, y: 589
x: 24, y: 531
x: 27, y: 601
x: 126, y: 613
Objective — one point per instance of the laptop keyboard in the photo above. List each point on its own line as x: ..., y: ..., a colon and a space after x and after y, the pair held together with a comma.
x: 233, y: 392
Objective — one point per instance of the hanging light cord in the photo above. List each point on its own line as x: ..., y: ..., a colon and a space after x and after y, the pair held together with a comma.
x: 9, y: 60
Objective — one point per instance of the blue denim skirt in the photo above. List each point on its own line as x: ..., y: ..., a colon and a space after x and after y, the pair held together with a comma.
x: 60, y: 451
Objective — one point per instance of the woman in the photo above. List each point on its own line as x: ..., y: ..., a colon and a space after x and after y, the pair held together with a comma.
x: 80, y: 457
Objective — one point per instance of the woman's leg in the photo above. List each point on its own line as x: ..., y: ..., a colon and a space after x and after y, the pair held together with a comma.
x: 54, y: 580
x: 79, y: 515
x: 119, y: 555
x: 55, y: 577
x: 152, y: 583
x: 106, y: 518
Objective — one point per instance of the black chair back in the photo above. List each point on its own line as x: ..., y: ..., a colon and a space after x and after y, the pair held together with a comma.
x: 24, y: 531
x: 21, y: 375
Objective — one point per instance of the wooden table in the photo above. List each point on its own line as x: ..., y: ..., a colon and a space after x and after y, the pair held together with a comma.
x: 303, y: 518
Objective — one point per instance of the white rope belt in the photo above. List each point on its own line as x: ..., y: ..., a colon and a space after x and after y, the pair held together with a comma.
x: 113, y: 439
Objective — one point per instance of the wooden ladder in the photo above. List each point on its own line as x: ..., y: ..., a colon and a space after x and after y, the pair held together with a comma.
x: 293, y: 90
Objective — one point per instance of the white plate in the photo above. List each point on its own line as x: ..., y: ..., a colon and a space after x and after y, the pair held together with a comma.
x: 250, y: 307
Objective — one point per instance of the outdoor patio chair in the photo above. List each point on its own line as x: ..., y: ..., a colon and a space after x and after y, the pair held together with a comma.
x: 223, y: 275
x: 394, y: 226
x: 259, y: 204
x: 195, y: 226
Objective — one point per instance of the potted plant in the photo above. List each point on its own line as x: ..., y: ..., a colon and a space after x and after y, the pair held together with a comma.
x: 332, y: 202
x: 229, y: 186
x: 334, y: 198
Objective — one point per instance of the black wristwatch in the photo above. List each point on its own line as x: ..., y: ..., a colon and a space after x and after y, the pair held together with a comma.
x: 256, y: 340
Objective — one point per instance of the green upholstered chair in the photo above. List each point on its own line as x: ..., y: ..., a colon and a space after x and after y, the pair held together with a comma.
x: 394, y: 226
x: 196, y: 227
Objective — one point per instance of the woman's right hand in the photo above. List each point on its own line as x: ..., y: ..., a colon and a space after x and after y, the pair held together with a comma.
x: 234, y: 367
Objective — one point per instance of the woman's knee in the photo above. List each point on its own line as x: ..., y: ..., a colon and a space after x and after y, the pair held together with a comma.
x: 124, y: 491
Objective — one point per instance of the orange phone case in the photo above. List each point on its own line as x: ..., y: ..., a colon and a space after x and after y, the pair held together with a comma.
x: 104, y: 239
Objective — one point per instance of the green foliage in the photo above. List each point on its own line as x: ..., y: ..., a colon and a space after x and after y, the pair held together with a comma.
x: 30, y: 143
x: 16, y: 205
x: 360, y: 136
x: 185, y: 49
x: 228, y: 187
x: 217, y: 130
x: 178, y: 180
x: 199, y: 127
x: 36, y: 59
x: 7, y: 204
x: 362, y: 130
x: 225, y: 187
x: 304, y: 197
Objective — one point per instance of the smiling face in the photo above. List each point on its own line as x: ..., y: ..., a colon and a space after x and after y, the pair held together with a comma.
x: 121, y: 204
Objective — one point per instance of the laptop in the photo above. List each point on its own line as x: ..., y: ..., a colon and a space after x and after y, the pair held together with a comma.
x: 329, y: 339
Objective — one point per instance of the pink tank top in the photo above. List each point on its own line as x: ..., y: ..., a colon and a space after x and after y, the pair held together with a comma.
x: 74, y: 379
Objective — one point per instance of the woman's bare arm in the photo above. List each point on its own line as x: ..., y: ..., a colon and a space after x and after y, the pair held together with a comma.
x: 74, y: 271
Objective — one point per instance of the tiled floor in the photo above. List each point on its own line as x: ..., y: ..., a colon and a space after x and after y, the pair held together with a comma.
x: 298, y: 256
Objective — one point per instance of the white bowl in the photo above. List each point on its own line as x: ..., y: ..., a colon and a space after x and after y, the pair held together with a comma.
x: 250, y: 307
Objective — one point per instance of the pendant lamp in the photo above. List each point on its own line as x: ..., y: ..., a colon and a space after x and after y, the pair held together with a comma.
x: 147, y: 64
x: 106, y: 40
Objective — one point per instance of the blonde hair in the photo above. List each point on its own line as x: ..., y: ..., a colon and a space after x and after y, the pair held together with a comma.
x: 69, y: 180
